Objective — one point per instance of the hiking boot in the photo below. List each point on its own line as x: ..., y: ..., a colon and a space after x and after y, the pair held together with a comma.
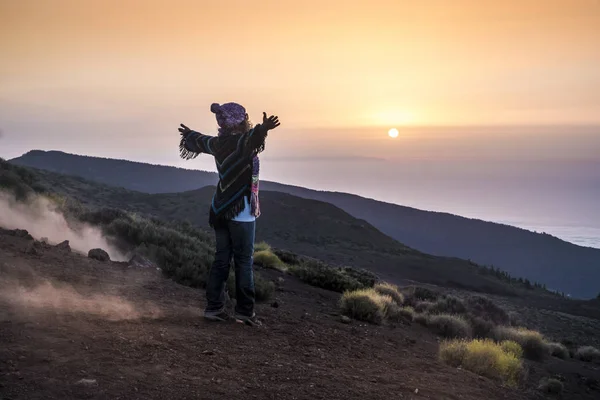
x: 250, y: 321
x: 217, y: 316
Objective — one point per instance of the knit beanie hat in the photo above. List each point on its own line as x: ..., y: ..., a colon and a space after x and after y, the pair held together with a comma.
x: 228, y: 115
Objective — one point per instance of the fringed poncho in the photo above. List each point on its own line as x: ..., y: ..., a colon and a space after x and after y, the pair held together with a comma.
x: 238, y: 166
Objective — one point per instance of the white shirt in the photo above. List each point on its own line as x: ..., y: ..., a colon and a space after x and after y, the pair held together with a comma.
x: 246, y: 214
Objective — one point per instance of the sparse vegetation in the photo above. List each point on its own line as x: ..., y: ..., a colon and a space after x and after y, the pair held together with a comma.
x: 558, y: 350
x: 551, y: 386
x: 532, y: 342
x: 587, y: 354
x: 397, y: 313
x: 416, y: 294
x: 423, y: 306
x: 449, y: 326
x: 448, y: 305
x: 318, y: 274
x: 388, y: 289
x: 420, y: 319
x: 482, y: 307
x: 482, y: 328
x: 483, y: 357
x: 366, y: 305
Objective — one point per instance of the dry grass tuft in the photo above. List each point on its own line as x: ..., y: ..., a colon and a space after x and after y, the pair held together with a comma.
x: 483, y: 357
x: 588, y: 354
x: 551, y: 386
x: 388, y: 289
x: 558, y: 350
x: 366, y: 305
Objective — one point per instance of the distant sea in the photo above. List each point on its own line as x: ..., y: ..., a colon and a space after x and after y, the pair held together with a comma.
x: 580, y: 235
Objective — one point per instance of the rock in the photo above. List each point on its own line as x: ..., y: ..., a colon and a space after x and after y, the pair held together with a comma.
x: 64, y: 246
x: 99, y: 254
x: 280, y: 280
x: 139, y: 261
x: 87, y: 382
x: 22, y: 233
x: 31, y: 249
x: 345, y: 320
x: 208, y: 353
x: 275, y: 304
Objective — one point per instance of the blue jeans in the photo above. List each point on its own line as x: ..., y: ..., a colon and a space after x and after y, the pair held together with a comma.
x: 234, y: 240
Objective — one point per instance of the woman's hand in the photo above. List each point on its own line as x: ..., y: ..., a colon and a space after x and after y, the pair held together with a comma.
x: 184, y: 130
x: 270, y: 123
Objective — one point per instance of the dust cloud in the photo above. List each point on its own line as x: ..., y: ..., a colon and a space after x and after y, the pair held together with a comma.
x: 61, y: 299
x: 40, y: 217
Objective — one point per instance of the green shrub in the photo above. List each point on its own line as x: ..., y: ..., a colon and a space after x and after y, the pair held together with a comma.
x: 387, y: 289
x: 551, y: 386
x: 287, y: 257
x: 267, y: 259
x: 407, y: 312
x: 182, y: 253
x: 452, y: 352
x: 450, y: 326
x: 397, y: 313
x: 486, y: 309
x: 510, y: 347
x: 321, y: 275
x: 420, y: 319
x: 415, y: 294
x: 587, y: 354
x: 483, y: 357
x: 366, y: 305
x: 532, y: 342
x: 365, y: 278
x: 263, y: 288
x: 558, y: 350
x: 423, y: 306
x: 448, y: 305
x: 482, y: 328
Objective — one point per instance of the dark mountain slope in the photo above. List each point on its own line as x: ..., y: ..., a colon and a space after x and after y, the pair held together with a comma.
x: 538, y: 257
x: 303, y: 226
x: 131, y: 175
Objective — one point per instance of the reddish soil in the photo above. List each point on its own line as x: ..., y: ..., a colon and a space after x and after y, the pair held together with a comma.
x: 137, y: 335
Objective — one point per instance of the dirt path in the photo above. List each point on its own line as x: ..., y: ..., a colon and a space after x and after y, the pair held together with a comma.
x: 73, y: 328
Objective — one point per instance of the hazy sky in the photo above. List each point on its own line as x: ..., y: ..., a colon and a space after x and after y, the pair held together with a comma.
x: 115, y: 78
x: 316, y: 63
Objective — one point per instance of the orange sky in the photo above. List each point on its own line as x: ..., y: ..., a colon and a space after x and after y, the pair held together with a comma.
x: 325, y: 63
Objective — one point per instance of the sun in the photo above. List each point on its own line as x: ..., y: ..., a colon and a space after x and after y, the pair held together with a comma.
x: 393, y: 133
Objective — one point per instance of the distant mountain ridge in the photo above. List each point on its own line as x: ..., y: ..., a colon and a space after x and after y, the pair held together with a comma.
x: 539, y: 257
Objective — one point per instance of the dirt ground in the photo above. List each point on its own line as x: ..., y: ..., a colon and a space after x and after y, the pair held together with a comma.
x: 76, y: 328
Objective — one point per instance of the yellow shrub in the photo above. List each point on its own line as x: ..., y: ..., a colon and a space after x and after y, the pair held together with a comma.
x: 512, y: 347
x: 262, y: 246
x: 366, y: 305
x: 453, y: 352
x: 387, y: 289
x: 483, y: 357
x: 267, y: 259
